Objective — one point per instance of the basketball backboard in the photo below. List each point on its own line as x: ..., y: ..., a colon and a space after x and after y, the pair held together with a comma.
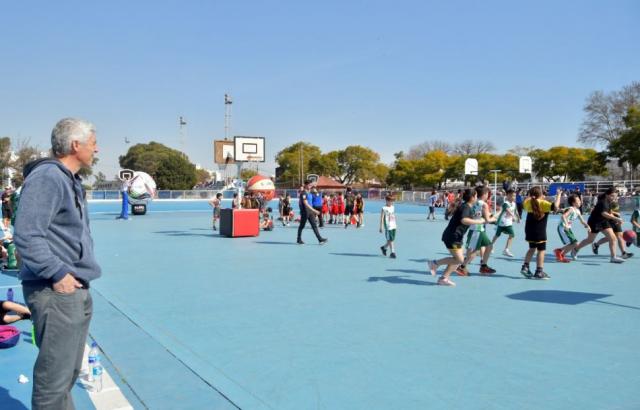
x: 248, y: 149
x: 125, y: 175
x: 223, y: 152
x: 471, y: 166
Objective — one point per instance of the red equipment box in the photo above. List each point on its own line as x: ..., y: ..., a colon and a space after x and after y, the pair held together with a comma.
x: 239, y: 222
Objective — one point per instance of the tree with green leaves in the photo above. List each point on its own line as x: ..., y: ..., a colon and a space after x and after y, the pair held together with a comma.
x: 99, y: 178
x: 355, y: 164
x: 202, y: 176
x: 170, y: 168
x: 627, y: 147
x: 567, y: 164
x: 296, y: 158
x: 24, y: 153
x: 247, y: 173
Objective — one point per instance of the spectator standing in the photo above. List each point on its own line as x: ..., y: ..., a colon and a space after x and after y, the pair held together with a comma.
x: 54, y: 241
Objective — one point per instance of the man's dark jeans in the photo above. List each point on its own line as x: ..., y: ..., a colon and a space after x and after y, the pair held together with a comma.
x: 304, y: 217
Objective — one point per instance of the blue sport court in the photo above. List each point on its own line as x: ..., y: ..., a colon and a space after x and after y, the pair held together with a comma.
x: 191, y: 320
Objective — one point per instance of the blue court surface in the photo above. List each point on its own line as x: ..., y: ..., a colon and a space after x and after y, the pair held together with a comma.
x: 191, y: 320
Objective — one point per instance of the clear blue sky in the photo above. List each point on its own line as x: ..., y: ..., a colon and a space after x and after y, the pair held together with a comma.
x: 387, y: 75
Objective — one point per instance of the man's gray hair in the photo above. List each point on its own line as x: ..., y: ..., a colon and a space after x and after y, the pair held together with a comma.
x: 68, y: 130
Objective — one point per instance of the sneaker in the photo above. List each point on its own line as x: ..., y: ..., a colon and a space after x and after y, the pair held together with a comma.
x: 526, y: 272
x: 384, y: 250
x: 300, y: 242
x: 486, y: 270
x: 541, y: 275
x: 615, y: 259
x: 214, y: 228
x: 393, y: 255
x: 574, y: 254
x: 627, y: 255
x: 508, y: 253
x: 433, y: 267
x: 594, y: 248
x: 445, y: 282
x: 558, y: 253
x: 323, y: 241
x: 461, y: 271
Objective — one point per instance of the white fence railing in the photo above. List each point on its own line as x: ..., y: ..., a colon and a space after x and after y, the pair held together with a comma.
x: 629, y: 191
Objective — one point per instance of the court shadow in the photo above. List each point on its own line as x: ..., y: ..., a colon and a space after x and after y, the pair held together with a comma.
x: 275, y: 243
x: 400, y: 280
x: 10, y: 403
x: 213, y: 234
x: 364, y: 255
x: 499, y: 275
x: 564, y: 297
x: 419, y: 272
x: 26, y: 337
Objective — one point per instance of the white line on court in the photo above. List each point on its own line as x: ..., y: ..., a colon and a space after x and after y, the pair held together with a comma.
x: 110, y: 397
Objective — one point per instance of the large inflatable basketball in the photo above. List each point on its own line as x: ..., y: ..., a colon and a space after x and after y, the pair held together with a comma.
x: 262, y: 184
x: 141, y: 186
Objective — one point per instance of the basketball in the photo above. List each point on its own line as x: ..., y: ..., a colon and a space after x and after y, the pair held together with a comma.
x: 629, y: 236
x: 262, y: 184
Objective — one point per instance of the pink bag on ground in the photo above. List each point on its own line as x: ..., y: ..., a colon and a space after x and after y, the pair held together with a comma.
x: 9, y: 336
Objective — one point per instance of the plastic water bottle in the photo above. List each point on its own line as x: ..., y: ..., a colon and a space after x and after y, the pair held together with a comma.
x: 10, y: 295
x: 95, y: 367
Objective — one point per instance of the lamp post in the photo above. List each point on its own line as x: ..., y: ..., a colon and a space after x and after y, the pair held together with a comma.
x: 495, y: 187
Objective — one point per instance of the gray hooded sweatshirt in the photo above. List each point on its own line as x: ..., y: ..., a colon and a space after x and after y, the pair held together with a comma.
x: 52, y: 231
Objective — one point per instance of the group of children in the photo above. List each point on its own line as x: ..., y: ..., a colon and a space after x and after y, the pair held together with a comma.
x: 339, y: 208
x: 471, y: 213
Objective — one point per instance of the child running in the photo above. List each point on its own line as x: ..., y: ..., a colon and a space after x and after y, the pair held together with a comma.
x: 565, y: 232
x: 215, y: 204
x: 505, y: 221
x: 477, y: 239
x: 535, y: 230
x: 388, y: 222
x: 617, y: 230
x: 601, y: 220
x: 453, y: 236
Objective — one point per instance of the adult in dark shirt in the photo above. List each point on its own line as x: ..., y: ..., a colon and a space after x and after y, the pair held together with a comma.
x: 519, y: 202
x: 316, y: 203
x: 349, y: 208
x: 601, y: 220
x: 308, y: 214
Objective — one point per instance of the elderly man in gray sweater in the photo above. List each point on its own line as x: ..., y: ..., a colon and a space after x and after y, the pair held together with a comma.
x: 58, y: 263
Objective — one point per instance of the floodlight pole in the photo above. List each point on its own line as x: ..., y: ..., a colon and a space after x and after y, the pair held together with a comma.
x: 495, y: 187
x: 182, y: 124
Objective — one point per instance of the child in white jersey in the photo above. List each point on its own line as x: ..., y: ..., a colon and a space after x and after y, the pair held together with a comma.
x: 215, y: 204
x: 505, y: 221
x: 388, y: 223
x: 565, y: 232
x: 477, y: 238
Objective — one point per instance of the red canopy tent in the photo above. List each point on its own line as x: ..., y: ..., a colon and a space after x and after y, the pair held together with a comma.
x: 329, y: 184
